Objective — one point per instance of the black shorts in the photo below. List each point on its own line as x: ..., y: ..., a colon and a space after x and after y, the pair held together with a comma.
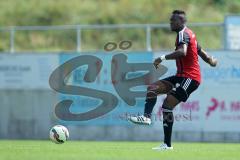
x: 182, y: 87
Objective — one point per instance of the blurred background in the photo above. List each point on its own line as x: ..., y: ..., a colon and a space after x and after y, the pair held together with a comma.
x: 36, y: 36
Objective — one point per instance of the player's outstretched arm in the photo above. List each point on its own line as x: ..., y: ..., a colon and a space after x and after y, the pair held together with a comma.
x: 180, y: 52
x: 208, y: 59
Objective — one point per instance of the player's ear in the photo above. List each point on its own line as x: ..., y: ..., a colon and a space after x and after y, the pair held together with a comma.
x: 184, y: 19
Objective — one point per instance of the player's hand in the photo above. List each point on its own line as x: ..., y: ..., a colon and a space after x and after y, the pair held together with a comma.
x: 213, y: 62
x: 157, y: 62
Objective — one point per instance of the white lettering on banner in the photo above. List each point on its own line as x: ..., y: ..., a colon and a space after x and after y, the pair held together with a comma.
x: 26, y: 71
x: 232, y: 36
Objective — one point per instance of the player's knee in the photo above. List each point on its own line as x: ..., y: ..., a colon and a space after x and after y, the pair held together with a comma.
x: 151, y: 95
x: 166, y: 108
x: 152, y: 87
x: 167, y: 113
x: 151, y: 91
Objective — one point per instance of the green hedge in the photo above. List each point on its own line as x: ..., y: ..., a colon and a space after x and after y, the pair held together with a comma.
x: 61, y: 12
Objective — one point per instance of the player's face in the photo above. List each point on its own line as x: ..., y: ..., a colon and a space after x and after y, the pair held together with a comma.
x: 175, y: 22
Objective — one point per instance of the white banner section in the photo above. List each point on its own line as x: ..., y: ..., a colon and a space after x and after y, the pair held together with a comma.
x: 26, y: 71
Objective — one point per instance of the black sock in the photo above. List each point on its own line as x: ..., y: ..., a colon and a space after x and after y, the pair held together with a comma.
x: 150, y: 103
x: 168, y: 120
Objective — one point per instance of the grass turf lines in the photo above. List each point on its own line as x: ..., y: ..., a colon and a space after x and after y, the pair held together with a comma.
x: 89, y: 150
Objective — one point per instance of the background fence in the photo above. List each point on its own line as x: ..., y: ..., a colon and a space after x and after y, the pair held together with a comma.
x: 82, y: 38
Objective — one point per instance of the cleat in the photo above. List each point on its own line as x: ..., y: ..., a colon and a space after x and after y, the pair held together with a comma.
x: 162, y: 147
x: 140, y: 120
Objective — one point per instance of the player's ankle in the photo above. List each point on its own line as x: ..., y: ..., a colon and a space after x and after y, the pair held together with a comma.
x: 168, y: 144
x: 147, y: 115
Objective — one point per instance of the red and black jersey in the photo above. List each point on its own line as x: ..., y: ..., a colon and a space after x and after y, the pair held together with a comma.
x: 188, y: 66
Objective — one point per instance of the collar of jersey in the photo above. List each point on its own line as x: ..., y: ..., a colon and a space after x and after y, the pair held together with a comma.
x: 183, y: 29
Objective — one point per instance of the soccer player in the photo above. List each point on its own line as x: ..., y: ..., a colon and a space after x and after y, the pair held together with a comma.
x: 178, y: 87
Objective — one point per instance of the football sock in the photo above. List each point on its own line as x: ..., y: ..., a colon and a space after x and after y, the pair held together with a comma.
x: 168, y: 120
x: 151, y: 100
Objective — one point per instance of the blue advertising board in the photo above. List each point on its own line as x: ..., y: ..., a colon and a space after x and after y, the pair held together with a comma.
x: 104, y: 81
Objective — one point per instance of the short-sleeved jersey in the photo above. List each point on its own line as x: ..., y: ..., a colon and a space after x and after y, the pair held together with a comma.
x: 188, y: 66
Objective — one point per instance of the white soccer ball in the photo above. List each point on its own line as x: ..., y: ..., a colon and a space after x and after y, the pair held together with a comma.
x: 59, y: 134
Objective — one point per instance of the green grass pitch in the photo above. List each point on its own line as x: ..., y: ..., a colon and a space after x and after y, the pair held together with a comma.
x: 84, y: 150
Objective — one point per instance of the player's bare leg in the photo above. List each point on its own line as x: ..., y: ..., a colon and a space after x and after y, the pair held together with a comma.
x: 155, y: 89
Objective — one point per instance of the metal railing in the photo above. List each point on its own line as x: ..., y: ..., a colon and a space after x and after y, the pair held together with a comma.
x: 79, y: 28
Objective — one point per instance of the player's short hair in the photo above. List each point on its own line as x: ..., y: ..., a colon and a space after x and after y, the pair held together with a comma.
x: 178, y: 12
x: 181, y: 14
